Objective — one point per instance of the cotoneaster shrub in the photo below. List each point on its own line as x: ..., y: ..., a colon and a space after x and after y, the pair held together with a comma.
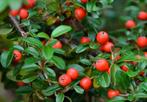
x: 75, y: 50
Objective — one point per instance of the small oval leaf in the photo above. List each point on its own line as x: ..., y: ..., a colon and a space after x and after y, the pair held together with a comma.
x: 60, y: 30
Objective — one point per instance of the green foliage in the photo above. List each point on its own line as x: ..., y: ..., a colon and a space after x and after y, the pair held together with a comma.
x: 60, y: 30
x: 41, y: 64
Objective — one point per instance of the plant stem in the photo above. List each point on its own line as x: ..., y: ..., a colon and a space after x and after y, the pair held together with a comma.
x: 16, y: 24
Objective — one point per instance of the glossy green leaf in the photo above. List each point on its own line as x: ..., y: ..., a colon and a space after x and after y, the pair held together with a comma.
x: 59, y: 51
x: 132, y: 73
x: 60, y: 30
x: 81, y: 48
x: 15, y: 4
x: 93, y: 46
x: 122, y: 80
x: 47, y: 52
x: 33, y: 42
x: 6, y: 58
x: 43, y: 35
x: 59, y: 62
x: 104, y: 80
x: 85, y: 61
x: 39, y: 84
x: 60, y: 97
x: 140, y: 95
x: 113, y: 71
x: 78, y: 89
x: 3, y: 4
x: 128, y: 57
x: 32, y: 51
x: 50, y: 72
x: 10, y: 75
x: 26, y: 69
x: 51, y: 90
x: 143, y: 86
x: 30, y: 79
x: 18, y: 47
x: 91, y: 6
x: 117, y: 99
x: 24, y: 90
x: 5, y: 30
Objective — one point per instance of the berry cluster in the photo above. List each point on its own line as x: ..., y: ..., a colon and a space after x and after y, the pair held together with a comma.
x: 23, y: 11
x: 71, y: 75
x: 66, y: 79
x: 142, y: 40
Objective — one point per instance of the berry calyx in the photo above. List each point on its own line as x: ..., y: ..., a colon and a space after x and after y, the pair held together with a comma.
x: 80, y: 13
x: 57, y: 45
x: 17, y: 56
x: 102, y: 65
x: 130, y: 24
x: 73, y: 73
x: 23, y: 13
x: 102, y: 37
x: 84, y: 40
x: 64, y: 80
x: 141, y: 41
x: 86, y: 83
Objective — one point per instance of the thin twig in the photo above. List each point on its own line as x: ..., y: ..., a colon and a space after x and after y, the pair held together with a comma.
x: 16, y: 24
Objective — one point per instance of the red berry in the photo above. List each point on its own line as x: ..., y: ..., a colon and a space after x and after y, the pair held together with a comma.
x: 57, y: 45
x: 107, y: 47
x: 84, y: 1
x: 145, y: 54
x: 142, y: 41
x: 80, y: 13
x: 73, y: 73
x: 142, y: 15
x: 141, y: 73
x: 64, y: 80
x: 30, y: 4
x: 124, y: 68
x: 17, y: 56
x: 86, y: 83
x: 112, y: 93
x: 130, y: 24
x: 84, y: 40
x: 23, y: 14
x: 20, y: 83
x: 14, y: 12
x: 102, y: 37
x: 102, y: 65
